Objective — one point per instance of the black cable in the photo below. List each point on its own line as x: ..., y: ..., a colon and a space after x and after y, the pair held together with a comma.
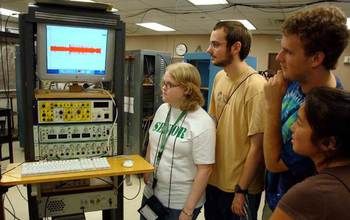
x: 116, y: 188
x: 13, y: 209
x: 138, y: 192
x: 21, y: 194
x: 12, y: 168
x: 15, y: 217
x: 110, y: 183
x: 231, y: 5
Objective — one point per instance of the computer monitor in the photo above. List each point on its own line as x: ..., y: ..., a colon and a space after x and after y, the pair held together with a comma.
x: 75, y: 53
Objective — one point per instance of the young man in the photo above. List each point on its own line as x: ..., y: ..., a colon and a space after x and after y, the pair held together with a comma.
x: 312, y: 42
x: 236, y: 182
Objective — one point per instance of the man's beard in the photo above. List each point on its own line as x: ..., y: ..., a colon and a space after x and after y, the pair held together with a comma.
x: 226, y: 61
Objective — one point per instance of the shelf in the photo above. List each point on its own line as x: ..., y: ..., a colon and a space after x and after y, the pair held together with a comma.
x: 59, y: 94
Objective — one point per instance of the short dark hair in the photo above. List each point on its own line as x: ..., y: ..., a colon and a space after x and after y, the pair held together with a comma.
x: 328, y: 112
x: 321, y: 29
x: 235, y: 31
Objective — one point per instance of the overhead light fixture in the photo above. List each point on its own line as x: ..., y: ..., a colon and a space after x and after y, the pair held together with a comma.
x: 348, y: 23
x: 246, y: 23
x: 7, y: 12
x: 208, y: 2
x: 82, y: 1
x: 155, y: 26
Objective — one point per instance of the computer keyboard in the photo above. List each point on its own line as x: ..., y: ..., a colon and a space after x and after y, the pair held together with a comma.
x: 64, y: 166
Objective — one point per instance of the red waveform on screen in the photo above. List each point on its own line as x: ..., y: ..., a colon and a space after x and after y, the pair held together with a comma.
x: 72, y: 49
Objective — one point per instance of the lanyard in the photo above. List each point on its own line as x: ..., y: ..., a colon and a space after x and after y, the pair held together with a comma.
x: 164, y: 136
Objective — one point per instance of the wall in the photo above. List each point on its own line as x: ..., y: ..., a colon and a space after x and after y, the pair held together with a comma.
x: 261, y: 46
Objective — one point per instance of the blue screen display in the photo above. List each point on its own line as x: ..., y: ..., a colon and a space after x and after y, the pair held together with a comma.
x: 76, y: 50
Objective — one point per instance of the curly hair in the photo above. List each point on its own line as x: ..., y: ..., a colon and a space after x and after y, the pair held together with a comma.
x: 235, y: 31
x: 321, y: 29
x: 188, y: 77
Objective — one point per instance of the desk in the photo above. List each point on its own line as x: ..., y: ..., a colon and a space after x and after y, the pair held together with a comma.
x: 13, y: 177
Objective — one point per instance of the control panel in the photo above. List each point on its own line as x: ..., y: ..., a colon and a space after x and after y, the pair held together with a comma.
x: 73, y: 132
x: 57, y: 141
x: 74, y: 150
x: 76, y: 203
x: 71, y: 111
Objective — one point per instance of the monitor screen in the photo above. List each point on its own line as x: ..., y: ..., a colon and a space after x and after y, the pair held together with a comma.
x: 72, y: 53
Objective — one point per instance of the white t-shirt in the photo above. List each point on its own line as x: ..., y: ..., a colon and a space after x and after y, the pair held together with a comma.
x: 194, y: 138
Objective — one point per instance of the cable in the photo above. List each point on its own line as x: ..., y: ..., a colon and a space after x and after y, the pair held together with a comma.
x: 231, y: 5
x: 21, y: 194
x: 13, y: 209
x: 110, y: 183
x: 12, y: 168
x: 112, y: 130
x: 47, y: 201
x: 116, y: 188
x: 15, y: 217
x: 7, y: 65
x: 138, y: 192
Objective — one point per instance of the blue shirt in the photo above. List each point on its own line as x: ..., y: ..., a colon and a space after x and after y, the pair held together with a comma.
x: 299, y: 167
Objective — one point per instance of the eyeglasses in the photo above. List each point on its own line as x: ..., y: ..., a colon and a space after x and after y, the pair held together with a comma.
x: 215, y: 44
x: 169, y: 85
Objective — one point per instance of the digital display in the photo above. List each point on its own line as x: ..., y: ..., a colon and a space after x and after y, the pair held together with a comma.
x: 76, y: 50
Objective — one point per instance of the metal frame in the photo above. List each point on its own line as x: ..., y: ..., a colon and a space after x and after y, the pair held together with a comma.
x: 55, y: 14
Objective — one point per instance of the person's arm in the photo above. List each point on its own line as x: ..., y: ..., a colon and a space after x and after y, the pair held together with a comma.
x: 146, y: 175
x: 252, y: 164
x: 274, y: 91
x: 198, y: 187
x: 279, y: 214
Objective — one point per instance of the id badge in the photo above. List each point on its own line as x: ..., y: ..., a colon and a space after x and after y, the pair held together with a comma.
x: 147, y: 213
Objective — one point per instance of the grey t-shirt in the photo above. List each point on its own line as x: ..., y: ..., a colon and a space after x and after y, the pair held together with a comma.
x: 319, y: 197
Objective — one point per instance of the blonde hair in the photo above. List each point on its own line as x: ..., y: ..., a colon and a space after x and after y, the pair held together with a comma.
x: 188, y: 77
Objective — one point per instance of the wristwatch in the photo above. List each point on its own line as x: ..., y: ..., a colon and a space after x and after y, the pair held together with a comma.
x: 238, y: 189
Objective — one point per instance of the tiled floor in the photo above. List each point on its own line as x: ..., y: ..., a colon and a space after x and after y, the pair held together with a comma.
x: 20, y: 207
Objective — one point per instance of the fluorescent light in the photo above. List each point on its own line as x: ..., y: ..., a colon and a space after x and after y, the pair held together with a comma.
x: 155, y: 26
x: 82, y: 1
x: 348, y: 23
x: 246, y: 24
x: 208, y: 2
x: 8, y: 12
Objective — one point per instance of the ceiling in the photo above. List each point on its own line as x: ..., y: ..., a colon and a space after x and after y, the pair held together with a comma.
x: 187, y: 18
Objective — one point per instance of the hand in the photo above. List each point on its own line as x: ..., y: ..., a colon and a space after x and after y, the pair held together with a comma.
x: 183, y: 216
x: 237, y: 206
x: 274, y: 89
x: 146, y: 178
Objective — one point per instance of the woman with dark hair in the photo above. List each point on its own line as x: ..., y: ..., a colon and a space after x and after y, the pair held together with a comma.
x: 321, y: 132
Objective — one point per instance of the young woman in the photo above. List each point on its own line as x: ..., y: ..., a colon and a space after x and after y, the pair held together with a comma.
x: 181, y: 146
x: 321, y: 132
